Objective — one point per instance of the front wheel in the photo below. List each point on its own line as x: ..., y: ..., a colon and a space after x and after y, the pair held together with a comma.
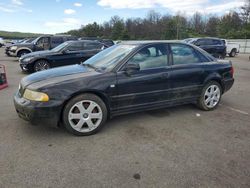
x: 84, y: 115
x: 41, y: 65
x: 22, y: 53
x: 210, y: 96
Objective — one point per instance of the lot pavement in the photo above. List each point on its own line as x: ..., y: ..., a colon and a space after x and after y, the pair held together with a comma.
x: 174, y: 147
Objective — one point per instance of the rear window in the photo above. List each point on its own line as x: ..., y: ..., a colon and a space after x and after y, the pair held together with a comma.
x: 217, y: 42
x: 183, y: 54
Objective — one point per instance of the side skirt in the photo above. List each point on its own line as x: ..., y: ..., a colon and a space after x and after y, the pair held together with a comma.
x: 152, y: 106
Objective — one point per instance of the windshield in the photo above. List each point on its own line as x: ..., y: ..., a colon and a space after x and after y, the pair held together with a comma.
x: 60, y: 47
x: 108, y: 59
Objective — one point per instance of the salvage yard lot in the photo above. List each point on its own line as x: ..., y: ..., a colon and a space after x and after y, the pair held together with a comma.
x: 175, y: 147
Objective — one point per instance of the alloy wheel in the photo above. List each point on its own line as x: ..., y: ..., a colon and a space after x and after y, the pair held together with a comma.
x: 41, y: 65
x: 212, y: 96
x: 85, y: 116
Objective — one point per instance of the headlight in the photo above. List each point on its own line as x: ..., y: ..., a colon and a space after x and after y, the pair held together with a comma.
x: 26, y: 59
x: 35, y: 96
x: 13, y: 47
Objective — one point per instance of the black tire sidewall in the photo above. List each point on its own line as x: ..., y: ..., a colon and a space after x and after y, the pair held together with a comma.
x: 76, y: 99
x: 201, y: 101
x: 21, y: 53
x: 233, y: 53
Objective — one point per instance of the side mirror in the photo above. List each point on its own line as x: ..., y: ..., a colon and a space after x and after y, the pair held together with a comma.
x: 131, y: 68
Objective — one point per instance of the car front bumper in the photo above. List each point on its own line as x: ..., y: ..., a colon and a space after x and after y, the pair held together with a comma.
x: 11, y: 53
x: 26, y: 66
x: 38, y: 113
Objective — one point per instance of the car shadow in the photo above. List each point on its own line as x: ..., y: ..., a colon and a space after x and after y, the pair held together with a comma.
x: 43, y: 131
x: 156, y: 114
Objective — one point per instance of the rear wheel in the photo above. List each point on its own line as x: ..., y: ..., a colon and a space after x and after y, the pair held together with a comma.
x: 232, y: 53
x: 210, y: 96
x: 84, y: 115
x: 41, y: 65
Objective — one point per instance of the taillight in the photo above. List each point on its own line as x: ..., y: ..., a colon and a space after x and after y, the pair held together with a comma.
x: 232, y: 71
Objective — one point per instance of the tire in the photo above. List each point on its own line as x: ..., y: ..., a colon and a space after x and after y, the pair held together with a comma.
x: 211, y: 92
x: 41, y: 65
x: 84, y: 115
x: 22, y: 52
x: 232, y: 53
x: 220, y: 56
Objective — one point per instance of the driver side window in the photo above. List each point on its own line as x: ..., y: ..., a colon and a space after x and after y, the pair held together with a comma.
x: 151, y: 57
x: 75, y: 46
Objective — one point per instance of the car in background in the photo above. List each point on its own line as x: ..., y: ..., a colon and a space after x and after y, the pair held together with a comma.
x: 125, y: 78
x: 233, y: 48
x: 67, y: 53
x: 27, y: 40
x: 215, y: 46
x: 9, y: 44
x: 45, y: 42
x: 106, y: 42
x: 1, y: 42
x: 188, y: 40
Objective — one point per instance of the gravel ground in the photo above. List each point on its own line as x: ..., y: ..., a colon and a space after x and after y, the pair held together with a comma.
x: 174, y: 147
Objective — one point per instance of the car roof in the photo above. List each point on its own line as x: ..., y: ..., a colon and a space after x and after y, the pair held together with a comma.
x: 209, y: 38
x: 147, y: 42
x: 87, y: 41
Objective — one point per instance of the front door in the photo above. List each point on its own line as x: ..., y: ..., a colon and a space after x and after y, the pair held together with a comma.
x: 147, y: 86
x: 71, y: 54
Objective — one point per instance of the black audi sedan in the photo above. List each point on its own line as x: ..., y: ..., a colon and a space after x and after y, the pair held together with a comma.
x: 67, y: 53
x: 125, y: 78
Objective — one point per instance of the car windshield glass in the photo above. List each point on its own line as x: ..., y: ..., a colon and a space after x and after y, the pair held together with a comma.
x: 60, y: 47
x: 108, y: 59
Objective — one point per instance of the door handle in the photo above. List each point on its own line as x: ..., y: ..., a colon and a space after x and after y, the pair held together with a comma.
x: 164, y: 75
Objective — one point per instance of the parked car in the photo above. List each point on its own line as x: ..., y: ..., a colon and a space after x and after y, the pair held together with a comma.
x: 28, y: 40
x: 124, y: 78
x: 233, y: 48
x: 216, y: 47
x: 11, y: 43
x: 106, y: 42
x: 1, y: 42
x: 67, y: 53
x: 46, y: 42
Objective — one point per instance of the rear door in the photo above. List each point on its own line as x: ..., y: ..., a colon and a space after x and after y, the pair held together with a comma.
x: 187, y: 74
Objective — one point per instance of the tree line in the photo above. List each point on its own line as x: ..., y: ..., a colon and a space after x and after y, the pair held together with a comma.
x: 155, y: 26
x: 17, y: 35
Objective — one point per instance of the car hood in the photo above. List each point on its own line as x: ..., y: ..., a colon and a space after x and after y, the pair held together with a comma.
x: 38, y: 54
x: 57, y: 75
x: 24, y: 45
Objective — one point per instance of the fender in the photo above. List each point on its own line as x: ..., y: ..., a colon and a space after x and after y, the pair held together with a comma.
x: 216, y: 77
x: 23, y: 48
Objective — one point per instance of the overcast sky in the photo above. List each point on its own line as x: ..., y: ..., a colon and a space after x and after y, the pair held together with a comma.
x: 54, y: 16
